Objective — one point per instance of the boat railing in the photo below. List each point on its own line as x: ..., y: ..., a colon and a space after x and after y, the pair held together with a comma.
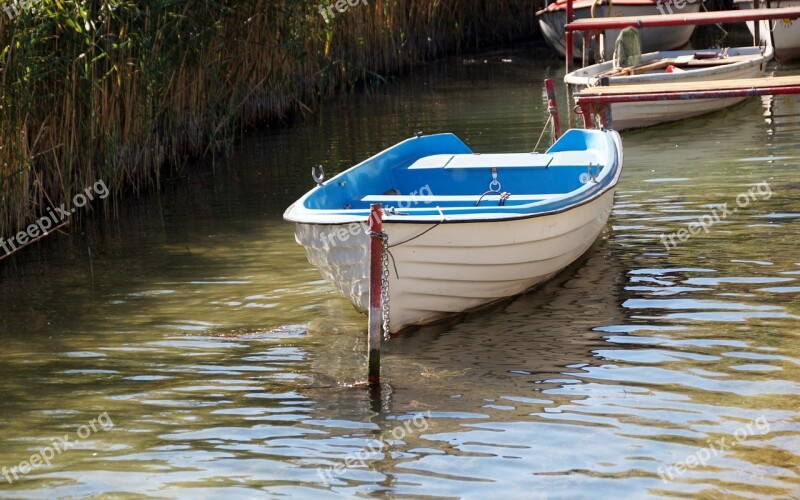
x: 507, y: 160
x: 591, y: 27
x: 597, y: 101
x: 434, y: 199
x: 561, y: 159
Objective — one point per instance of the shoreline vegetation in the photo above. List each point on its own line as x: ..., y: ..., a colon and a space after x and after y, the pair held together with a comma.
x: 121, y: 92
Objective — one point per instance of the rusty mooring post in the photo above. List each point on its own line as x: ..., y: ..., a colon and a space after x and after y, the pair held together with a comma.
x: 757, y: 26
x: 552, y: 108
x: 568, y: 37
x: 375, y: 273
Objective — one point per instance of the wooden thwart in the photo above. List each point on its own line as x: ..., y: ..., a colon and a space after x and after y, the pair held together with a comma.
x: 648, y: 66
x: 718, y: 61
x: 681, y: 62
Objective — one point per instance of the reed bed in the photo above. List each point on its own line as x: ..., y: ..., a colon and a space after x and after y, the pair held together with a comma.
x: 117, y: 90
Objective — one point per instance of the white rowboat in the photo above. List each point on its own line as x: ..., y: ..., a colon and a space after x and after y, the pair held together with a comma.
x: 458, y: 240
x: 685, y: 66
x: 553, y: 18
x: 783, y: 35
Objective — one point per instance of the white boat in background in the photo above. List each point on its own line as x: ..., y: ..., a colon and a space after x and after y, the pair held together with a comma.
x: 553, y: 18
x: 673, y: 66
x: 782, y: 34
x: 457, y: 239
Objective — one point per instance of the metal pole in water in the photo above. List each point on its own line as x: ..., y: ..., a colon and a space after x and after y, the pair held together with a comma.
x: 756, y: 26
x: 552, y: 106
x: 375, y: 272
x: 568, y: 37
x: 568, y: 50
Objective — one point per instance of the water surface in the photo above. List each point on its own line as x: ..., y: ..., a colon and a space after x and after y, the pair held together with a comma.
x: 227, y: 367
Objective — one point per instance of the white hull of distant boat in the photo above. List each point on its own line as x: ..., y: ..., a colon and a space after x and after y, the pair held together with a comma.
x: 447, y: 254
x: 744, y: 62
x: 782, y: 34
x: 553, y: 18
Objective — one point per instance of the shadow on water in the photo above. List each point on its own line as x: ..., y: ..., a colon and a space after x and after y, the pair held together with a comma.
x: 521, y: 344
x: 524, y: 342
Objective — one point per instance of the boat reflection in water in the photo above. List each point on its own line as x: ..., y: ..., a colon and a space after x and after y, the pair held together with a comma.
x: 517, y: 348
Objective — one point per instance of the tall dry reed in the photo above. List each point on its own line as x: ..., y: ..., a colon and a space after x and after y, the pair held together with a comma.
x: 113, y: 90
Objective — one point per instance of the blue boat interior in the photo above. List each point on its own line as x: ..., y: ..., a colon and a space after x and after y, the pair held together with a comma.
x: 440, y: 169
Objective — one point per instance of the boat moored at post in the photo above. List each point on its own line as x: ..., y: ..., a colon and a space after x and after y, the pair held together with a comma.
x: 464, y: 229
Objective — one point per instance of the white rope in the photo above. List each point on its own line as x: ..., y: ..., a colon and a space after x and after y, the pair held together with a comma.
x: 550, y: 119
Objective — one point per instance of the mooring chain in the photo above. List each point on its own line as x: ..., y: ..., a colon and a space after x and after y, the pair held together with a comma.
x: 384, y: 280
x: 385, y: 283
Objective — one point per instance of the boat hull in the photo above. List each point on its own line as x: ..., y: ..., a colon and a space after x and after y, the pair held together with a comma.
x: 631, y: 115
x: 451, y: 248
x: 455, y: 267
x: 782, y: 34
x: 627, y: 116
x: 552, y: 24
